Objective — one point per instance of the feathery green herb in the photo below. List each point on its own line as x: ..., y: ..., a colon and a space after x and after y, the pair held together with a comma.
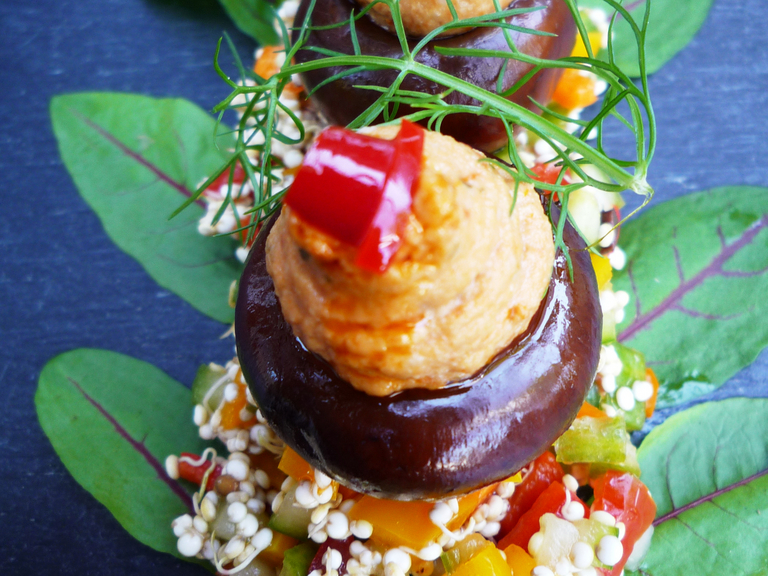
x: 259, y: 114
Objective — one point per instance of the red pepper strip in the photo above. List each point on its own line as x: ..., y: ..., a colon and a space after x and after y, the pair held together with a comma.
x: 550, y: 501
x: 544, y: 470
x: 625, y: 497
x: 195, y: 474
x: 385, y: 235
x: 358, y: 189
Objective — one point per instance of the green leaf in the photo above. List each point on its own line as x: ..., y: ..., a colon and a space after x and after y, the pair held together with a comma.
x: 707, y: 468
x: 113, y: 420
x: 254, y: 18
x: 134, y: 159
x: 697, y: 273
x: 672, y: 25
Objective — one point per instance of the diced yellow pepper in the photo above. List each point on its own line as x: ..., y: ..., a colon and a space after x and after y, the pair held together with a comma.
x: 487, y: 562
x: 273, y: 554
x: 603, y: 270
x: 595, y: 42
x: 519, y: 560
x: 295, y: 466
x: 407, y: 523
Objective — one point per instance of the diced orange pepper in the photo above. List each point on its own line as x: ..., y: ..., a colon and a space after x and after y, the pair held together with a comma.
x: 348, y: 493
x: 487, y: 562
x: 274, y: 553
x: 574, y: 90
x: 407, y: 523
x: 603, y: 270
x: 295, y: 466
x: 519, y: 560
x: 267, y: 462
x: 595, y: 42
x: 650, y: 405
x: 469, y: 503
x: 231, y: 411
x: 266, y: 66
x: 588, y: 410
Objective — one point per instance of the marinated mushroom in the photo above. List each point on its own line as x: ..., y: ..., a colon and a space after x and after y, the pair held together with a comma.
x: 420, y: 442
x: 341, y: 102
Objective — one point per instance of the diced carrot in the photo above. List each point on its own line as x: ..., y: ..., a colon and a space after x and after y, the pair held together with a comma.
x: 588, y: 410
x: 231, y: 412
x: 574, y: 90
x: 295, y: 466
x: 487, y: 562
x: 595, y: 42
x: 650, y: 405
x: 273, y: 554
x: 603, y: 270
x: 519, y: 560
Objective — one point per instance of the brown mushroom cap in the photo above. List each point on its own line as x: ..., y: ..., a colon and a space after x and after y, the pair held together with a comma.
x: 341, y: 103
x: 423, y: 444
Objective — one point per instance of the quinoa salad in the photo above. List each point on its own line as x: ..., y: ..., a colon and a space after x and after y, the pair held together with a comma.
x: 577, y: 509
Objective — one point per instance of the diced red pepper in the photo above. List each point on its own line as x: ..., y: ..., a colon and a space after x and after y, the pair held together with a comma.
x: 223, y: 179
x: 341, y: 545
x: 544, y: 470
x: 548, y: 173
x: 358, y: 189
x: 552, y: 501
x: 195, y: 473
x: 628, y: 500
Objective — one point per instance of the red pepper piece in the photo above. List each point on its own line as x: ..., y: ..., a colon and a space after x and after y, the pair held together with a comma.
x: 548, y: 173
x: 544, y: 471
x: 341, y: 545
x: 550, y: 501
x: 625, y: 497
x: 385, y: 234
x: 194, y: 473
x: 358, y: 189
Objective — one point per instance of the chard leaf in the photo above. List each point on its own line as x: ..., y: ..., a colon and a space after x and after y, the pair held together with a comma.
x: 707, y: 468
x: 134, y: 159
x: 254, y: 18
x: 113, y: 420
x: 697, y: 274
x: 672, y: 25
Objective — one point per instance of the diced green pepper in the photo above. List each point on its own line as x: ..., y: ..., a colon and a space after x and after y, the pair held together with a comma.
x: 297, y: 559
x: 597, y: 441
x: 207, y: 375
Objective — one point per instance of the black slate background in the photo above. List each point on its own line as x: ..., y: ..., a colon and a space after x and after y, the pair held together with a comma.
x: 64, y: 285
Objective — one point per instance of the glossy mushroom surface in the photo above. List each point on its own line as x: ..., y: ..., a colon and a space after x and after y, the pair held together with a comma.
x: 341, y: 102
x: 422, y: 444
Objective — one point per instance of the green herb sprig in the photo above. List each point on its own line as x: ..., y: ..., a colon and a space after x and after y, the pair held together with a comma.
x: 259, y: 114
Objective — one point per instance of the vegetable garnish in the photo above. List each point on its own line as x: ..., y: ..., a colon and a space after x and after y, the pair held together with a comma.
x: 258, y: 128
x: 367, y: 186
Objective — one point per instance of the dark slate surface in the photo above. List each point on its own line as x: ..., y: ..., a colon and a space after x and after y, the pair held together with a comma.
x: 64, y: 285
